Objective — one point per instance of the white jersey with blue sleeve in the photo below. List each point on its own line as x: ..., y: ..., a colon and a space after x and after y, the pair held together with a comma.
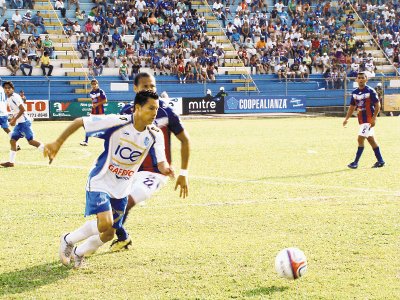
x: 14, y: 102
x: 125, y: 148
x: 3, y: 103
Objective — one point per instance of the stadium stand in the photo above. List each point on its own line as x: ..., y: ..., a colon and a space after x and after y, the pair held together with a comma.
x: 245, y: 45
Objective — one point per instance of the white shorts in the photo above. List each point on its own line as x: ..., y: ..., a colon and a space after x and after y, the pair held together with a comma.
x: 366, y: 130
x: 146, y: 184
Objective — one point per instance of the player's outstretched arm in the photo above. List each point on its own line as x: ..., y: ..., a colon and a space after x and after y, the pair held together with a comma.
x: 51, y: 150
x: 182, y: 180
x: 349, y: 113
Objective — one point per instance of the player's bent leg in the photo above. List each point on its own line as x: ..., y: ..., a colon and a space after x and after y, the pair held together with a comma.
x: 104, y: 221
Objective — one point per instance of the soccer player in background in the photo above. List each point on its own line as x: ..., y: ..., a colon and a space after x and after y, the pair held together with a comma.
x: 21, y: 121
x: 149, y: 179
x: 99, y: 98
x: 127, y: 141
x: 365, y: 100
x: 3, y: 112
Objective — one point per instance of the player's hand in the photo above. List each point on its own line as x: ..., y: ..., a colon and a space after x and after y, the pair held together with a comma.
x: 51, y: 150
x: 13, y: 121
x: 166, y: 169
x: 373, y: 121
x: 344, y: 123
x: 182, y: 181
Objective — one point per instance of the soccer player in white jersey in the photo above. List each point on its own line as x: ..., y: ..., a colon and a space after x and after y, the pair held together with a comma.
x: 3, y: 112
x: 127, y: 141
x: 21, y: 121
x: 149, y: 179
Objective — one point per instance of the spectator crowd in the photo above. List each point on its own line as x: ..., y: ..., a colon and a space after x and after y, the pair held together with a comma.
x: 292, y: 39
x: 295, y: 38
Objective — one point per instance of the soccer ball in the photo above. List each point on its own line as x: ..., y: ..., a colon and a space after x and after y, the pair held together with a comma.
x: 291, y: 263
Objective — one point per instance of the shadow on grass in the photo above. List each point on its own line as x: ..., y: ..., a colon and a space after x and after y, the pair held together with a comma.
x: 265, y: 291
x: 31, y: 278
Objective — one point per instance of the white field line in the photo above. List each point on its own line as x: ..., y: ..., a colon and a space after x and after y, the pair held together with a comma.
x: 256, y: 181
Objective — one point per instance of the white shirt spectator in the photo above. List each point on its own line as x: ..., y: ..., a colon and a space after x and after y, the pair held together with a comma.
x: 237, y: 22
x: 279, y: 7
x: 165, y: 60
x: 96, y: 28
x: 146, y: 36
x: 303, y: 68
x: 16, y: 18
x: 217, y: 5
x: 175, y: 28
x: 325, y: 60
x: 4, y: 34
x: 130, y: 19
x: 355, y: 67
x: 76, y: 28
x: 140, y: 5
x: 389, y: 51
x: 229, y: 28
x: 369, y: 66
x: 178, y: 11
x: 180, y: 20
x: 59, y: 4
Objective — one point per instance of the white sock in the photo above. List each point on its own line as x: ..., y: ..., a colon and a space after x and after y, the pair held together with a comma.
x: 89, y: 246
x: 86, y: 230
x: 12, y: 156
x: 10, y: 134
x: 41, y: 147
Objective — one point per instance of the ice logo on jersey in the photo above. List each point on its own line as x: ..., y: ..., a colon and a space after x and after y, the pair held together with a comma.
x: 127, y: 153
x: 232, y: 103
x: 146, y: 141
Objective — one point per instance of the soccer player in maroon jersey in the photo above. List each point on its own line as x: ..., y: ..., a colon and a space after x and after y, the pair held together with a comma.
x: 99, y: 98
x: 366, y: 101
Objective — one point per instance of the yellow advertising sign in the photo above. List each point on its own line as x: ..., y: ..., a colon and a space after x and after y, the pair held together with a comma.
x: 391, y: 102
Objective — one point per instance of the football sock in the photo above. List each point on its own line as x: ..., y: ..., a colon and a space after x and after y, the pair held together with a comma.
x: 12, y: 156
x: 125, y: 216
x: 89, y: 246
x: 122, y: 234
x: 41, y: 147
x: 86, y: 230
x: 86, y: 138
x: 10, y: 134
x: 358, y: 154
x: 378, y: 154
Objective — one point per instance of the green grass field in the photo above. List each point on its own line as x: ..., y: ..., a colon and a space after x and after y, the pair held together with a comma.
x: 256, y: 186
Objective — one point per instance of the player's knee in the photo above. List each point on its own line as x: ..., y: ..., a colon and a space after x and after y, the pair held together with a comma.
x: 104, y: 225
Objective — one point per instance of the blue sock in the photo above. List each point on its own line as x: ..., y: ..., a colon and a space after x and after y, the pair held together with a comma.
x: 86, y: 138
x: 122, y: 234
x: 358, y: 154
x: 378, y: 154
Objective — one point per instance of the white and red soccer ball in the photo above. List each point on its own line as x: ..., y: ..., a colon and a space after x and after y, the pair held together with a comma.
x: 291, y: 263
